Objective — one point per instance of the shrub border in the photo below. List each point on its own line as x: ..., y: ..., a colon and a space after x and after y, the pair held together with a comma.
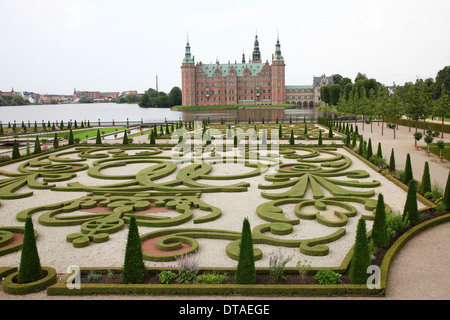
x: 12, y: 287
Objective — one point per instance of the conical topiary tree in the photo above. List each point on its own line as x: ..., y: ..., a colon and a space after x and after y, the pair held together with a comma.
x: 37, y: 146
x: 379, y: 229
x: 246, y: 272
x: 30, y: 269
x: 392, y: 161
x: 71, y: 140
x: 320, y: 142
x: 133, y: 268
x: 446, y: 198
x: 98, y: 140
x: 125, y: 137
x: 361, y: 257
x: 408, y: 170
x: 425, y: 186
x: 291, y: 138
x: 369, y: 151
x: 379, y: 151
x: 55, y: 141
x: 15, y: 151
x: 411, y: 204
x: 361, y: 146
x: 152, y: 137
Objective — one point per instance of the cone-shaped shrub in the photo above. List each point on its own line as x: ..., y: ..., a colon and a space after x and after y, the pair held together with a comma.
x: 379, y: 151
x: 280, y: 132
x: 15, y: 151
x: 392, y: 161
x: 408, y: 170
x: 246, y: 273
x: 306, y: 129
x: 37, y: 146
x: 125, y: 137
x: 152, y: 137
x: 71, y: 140
x: 361, y: 257
x: 347, y: 140
x: 446, y: 197
x: 369, y: 152
x: 30, y: 269
x: 291, y: 138
x: 133, y: 268
x: 320, y: 138
x: 361, y: 146
x: 353, y: 141
x: 330, y: 132
x: 98, y: 140
x: 411, y: 204
x: 379, y: 230
x: 55, y: 141
x: 425, y: 186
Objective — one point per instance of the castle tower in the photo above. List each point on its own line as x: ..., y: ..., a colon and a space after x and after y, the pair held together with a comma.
x: 278, y: 76
x: 188, y: 77
x: 256, y: 54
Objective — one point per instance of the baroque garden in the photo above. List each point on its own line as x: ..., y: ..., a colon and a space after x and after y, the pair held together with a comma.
x: 310, y: 193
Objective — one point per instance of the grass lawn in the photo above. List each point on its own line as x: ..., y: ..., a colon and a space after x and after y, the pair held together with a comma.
x: 435, y: 150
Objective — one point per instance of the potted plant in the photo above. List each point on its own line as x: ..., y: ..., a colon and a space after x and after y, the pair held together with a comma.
x: 417, y: 136
x: 441, y: 145
x: 428, y: 139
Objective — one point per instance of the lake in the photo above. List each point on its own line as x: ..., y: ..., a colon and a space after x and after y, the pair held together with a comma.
x: 106, y: 113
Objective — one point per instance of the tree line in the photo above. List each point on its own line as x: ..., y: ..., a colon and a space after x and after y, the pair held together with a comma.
x: 159, y: 99
x: 368, y: 98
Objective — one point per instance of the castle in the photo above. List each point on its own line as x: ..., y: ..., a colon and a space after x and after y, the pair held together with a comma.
x: 246, y: 83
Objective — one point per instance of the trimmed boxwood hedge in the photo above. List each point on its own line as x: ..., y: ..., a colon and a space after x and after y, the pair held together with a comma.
x: 11, y: 286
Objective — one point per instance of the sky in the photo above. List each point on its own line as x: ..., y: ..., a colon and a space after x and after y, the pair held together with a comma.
x: 54, y: 46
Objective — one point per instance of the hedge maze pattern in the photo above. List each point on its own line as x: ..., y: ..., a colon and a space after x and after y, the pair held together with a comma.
x: 166, y: 185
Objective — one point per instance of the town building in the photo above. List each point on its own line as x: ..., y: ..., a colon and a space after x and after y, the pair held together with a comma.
x: 245, y: 83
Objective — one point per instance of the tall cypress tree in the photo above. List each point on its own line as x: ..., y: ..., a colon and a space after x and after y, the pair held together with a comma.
x: 133, y: 268
x: 361, y: 257
x: 369, y: 151
x: 446, y: 197
x: 411, y: 204
x: 98, y: 140
x: 246, y: 272
x: 320, y: 142
x: 15, y: 151
x: 125, y: 137
x: 291, y: 138
x: 408, y: 170
x: 55, y: 141
x: 37, y: 146
x: 30, y: 269
x: 71, y: 140
x: 392, y: 161
x: 379, y: 230
x: 425, y: 186
x: 152, y: 137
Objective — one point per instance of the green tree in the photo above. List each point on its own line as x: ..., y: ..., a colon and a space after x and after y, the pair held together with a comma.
x: 379, y: 230
x: 98, y: 140
x: 37, y: 146
x: 396, y: 106
x: 152, y: 137
x: 55, y: 141
x: 30, y: 269
x: 442, y: 82
x: 411, y: 204
x: 320, y: 142
x: 133, y: 270
x: 369, y: 151
x: 246, y: 272
x: 291, y: 138
x: 325, y: 94
x: 446, y: 198
x: 335, y: 93
x: 71, y: 139
x: 441, y: 108
x: 15, y: 151
x: 382, y: 104
x: 425, y: 186
x: 125, y: 137
x: 175, y: 96
x: 361, y: 257
x: 392, y: 161
x: 408, y: 170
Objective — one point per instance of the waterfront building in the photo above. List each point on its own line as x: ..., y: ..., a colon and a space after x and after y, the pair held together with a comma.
x: 245, y: 83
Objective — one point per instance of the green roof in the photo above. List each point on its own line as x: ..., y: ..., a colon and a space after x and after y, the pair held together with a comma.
x: 254, y: 68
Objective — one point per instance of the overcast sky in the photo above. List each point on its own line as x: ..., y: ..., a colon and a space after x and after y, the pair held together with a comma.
x: 54, y: 46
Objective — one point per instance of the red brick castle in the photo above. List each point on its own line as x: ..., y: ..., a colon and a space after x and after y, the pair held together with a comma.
x: 244, y: 83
